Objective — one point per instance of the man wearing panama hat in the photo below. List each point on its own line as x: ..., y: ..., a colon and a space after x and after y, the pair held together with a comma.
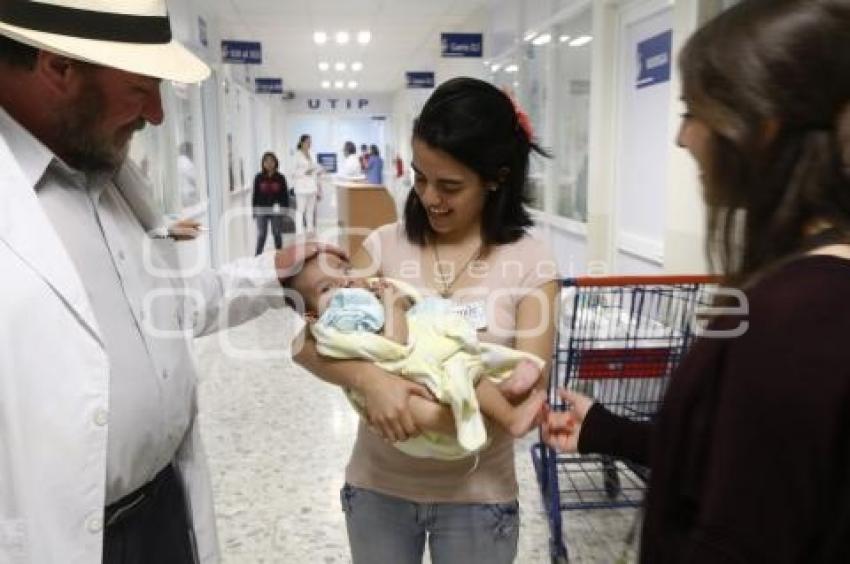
x: 100, y: 457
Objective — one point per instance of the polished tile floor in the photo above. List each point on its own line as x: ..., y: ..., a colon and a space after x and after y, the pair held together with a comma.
x: 278, y: 440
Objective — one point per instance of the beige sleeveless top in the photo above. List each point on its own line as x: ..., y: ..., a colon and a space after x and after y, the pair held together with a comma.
x: 509, y: 273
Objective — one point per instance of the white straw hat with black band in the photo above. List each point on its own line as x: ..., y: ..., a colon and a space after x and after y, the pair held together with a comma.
x: 130, y: 35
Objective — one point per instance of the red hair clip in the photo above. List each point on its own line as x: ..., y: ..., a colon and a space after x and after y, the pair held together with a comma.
x: 523, y: 120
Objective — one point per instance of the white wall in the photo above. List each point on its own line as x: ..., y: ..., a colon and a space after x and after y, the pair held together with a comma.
x: 643, y: 148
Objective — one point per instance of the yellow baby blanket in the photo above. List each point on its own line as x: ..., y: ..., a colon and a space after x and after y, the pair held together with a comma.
x: 443, y: 354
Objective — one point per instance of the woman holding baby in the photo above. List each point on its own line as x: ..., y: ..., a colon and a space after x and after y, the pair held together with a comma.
x: 464, y: 237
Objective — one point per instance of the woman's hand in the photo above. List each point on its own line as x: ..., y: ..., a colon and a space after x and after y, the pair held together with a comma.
x: 387, y: 405
x: 561, y: 429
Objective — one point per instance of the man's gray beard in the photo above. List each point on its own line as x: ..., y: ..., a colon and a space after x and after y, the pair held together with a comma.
x: 85, y: 149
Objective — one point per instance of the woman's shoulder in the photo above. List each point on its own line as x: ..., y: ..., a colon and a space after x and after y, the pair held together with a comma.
x: 812, y: 285
x: 530, y: 259
x: 384, y: 237
x: 530, y: 247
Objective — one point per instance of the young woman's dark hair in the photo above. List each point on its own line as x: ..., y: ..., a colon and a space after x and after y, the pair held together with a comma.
x: 263, y: 161
x: 301, y: 140
x: 477, y: 124
x: 349, y: 148
x: 373, y: 150
x: 771, y: 79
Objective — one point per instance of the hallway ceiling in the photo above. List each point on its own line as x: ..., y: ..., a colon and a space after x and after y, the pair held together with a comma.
x: 405, y: 36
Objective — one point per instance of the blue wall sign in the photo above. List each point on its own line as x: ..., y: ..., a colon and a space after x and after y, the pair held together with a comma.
x: 327, y: 161
x: 269, y: 85
x: 420, y: 79
x: 462, y: 44
x: 654, y: 59
x: 244, y: 52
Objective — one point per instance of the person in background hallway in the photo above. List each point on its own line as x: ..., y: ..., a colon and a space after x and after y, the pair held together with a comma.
x: 100, y: 455
x: 375, y: 168
x: 364, y: 157
x: 307, y: 191
x: 750, y: 453
x: 269, y: 201
x: 350, y: 169
x: 465, y: 230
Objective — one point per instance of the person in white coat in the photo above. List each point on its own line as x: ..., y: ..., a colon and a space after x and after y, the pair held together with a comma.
x: 307, y: 192
x: 100, y: 455
x: 350, y: 170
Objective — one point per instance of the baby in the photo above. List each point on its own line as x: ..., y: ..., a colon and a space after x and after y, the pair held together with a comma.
x: 421, y: 339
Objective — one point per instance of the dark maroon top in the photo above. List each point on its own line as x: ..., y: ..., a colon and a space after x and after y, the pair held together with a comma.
x: 268, y: 191
x: 750, y: 455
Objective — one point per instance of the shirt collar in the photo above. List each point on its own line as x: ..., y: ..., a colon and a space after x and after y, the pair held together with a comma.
x: 31, y: 154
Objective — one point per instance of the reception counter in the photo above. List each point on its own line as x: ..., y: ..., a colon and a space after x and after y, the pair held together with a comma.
x: 362, y: 207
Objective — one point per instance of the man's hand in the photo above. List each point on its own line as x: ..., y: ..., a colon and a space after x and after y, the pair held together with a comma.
x: 184, y: 230
x: 289, y: 260
x: 387, y: 406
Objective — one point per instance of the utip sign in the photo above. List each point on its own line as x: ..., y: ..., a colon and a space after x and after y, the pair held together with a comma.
x: 342, y: 103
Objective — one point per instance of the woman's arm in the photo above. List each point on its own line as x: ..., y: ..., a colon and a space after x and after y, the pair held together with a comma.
x: 587, y: 427
x: 535, y: 326
x: 254, y: 195
x: 604, y: 432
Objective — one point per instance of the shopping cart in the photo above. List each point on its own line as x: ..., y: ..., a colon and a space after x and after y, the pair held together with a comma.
x: 618, y: 341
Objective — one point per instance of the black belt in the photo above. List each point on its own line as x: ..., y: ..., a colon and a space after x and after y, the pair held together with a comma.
x: 130, y: 503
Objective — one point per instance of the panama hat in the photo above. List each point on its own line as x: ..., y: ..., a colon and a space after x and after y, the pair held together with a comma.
x: 130, y: 35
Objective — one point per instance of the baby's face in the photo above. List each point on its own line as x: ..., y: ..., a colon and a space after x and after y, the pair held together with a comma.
x: 320, y: 278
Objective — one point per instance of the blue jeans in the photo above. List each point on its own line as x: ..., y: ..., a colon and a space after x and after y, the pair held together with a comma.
x: 384, y: 529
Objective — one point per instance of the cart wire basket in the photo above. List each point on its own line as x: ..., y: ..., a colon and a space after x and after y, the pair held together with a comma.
x: 619, y: 340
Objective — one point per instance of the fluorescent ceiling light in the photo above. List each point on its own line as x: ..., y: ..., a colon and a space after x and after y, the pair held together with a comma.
x: 564, y: 38
x: 542, y: 39
x: 320, y: 37
x: 516, y: 84
x: 582, y: 40
x: 342, y: 37
x: 357, y: 66
x: 326, y: 84
x: 323, y: 66
x: 364, y: 37
x: 339, y: 66
x: 352, y: 84
x: 338, y: 84
x: 511, y: 68
x: 529, y: 35
x: 495, y: 68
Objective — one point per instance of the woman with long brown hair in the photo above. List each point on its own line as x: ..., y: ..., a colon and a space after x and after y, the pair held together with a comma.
x: 750, y: 454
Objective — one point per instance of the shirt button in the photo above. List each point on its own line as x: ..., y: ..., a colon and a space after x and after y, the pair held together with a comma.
x: 165, y: 375
x: 94, y: 524
x: 101, y: 417
x: 120, y: 255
